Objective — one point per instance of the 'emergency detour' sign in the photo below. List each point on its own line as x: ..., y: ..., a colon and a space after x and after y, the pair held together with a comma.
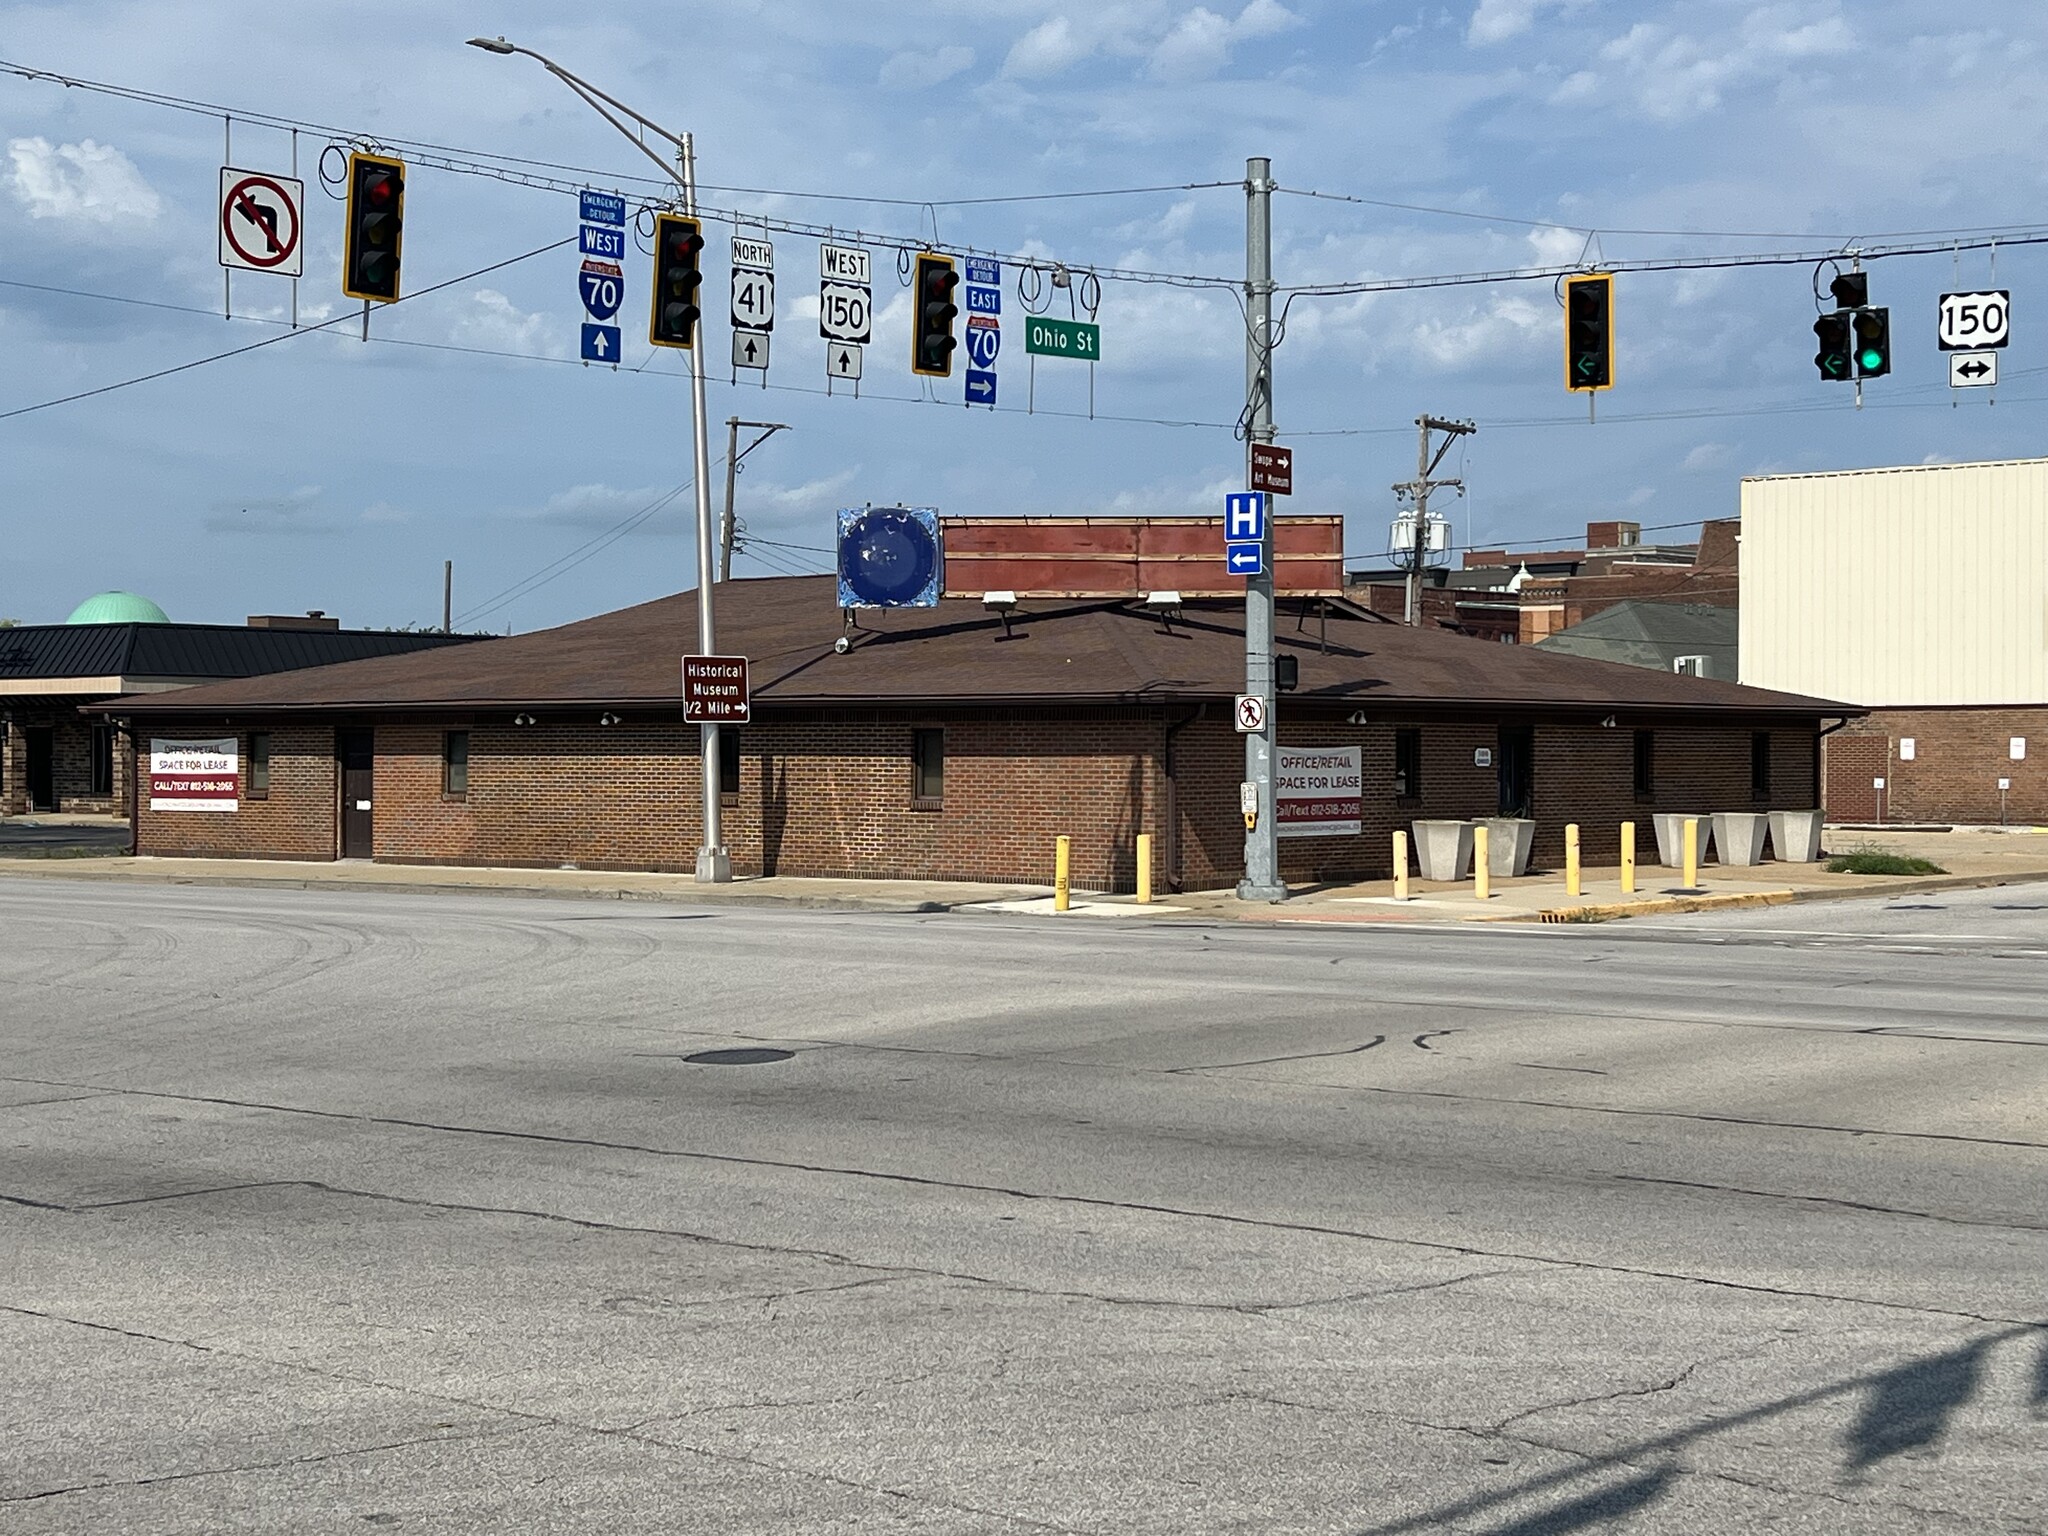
x: 715, y: 690
x: 189, y: 775
x: 1319, y: 791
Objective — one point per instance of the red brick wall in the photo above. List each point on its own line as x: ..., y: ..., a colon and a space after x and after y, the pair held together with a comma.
x: 830, y: 794
x: 298, y: 819
x: 1959, y: 755
x: 71, y: 762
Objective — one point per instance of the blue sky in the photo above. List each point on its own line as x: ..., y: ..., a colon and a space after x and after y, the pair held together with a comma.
x: 323, y: 473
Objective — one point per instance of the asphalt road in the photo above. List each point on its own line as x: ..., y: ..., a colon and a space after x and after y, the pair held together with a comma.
x: 326, y: 1212
x: 27, y: 837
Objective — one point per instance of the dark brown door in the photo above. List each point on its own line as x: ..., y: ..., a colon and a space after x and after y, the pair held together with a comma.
x: 1515, y: 768
x: 358, y: 753
x: 41, y: 743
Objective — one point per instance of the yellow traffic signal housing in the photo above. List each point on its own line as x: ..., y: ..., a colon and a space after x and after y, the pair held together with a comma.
x: 932, y: 339
x: 375, y: 232
x: 1589, y: 331
x: 678, y: 277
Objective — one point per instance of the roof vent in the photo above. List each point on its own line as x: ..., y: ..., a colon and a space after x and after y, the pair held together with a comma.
x: 1690, y: 666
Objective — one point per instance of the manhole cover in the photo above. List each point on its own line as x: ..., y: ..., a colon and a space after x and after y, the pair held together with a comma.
x: 744, y: 1056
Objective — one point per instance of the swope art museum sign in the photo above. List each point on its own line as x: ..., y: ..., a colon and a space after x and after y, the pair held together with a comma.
x: 194, y: 775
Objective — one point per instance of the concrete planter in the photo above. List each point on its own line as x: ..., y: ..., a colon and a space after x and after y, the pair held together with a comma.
x: 1671, y: 839
x: 1508, y: 841
x: 1795, y: 836
x: 1443, y: 849
x: 1739, y: 835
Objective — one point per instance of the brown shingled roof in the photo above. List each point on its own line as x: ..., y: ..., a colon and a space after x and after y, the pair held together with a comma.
x: 957, y: 653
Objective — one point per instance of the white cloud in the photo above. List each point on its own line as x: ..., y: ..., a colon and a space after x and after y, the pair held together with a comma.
x: 1707, y: 456
x: 1507, y: 323
x: 493, y: 321
x: 1557, y: 247
x: 1495, y: 21
x: 1642, y: 495
x: 1199, y: 43
x: 1047, y: 49
x: 920, y: 71
x: 606, y: 506
x: 1674, y: 74
x: 88, y: 181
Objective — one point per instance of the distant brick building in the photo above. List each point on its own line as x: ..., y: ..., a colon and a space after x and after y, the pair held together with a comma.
x: 944, y: 744
x: 53, y: 758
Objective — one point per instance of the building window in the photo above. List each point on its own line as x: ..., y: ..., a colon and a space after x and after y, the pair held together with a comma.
x: 1646, y: 765
x: 928, y: 768
x: 729, y: 764
x: 101, y: 768
x: 455, y: 763
x: 1760, y: 765
x: 1408, y: 764
x: 259, y: 765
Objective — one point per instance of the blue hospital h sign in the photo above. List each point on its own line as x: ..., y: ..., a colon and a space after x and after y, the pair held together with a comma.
x: 1244, y: 516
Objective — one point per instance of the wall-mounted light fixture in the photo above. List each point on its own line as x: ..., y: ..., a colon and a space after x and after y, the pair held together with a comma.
x: 607, y: 718
x: 522, y: 718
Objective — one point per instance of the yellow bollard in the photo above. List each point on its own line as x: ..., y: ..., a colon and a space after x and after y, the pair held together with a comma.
x: 1400, y: 866
x: 1692, y: 852
x: 1628, y: 858
x: 1571, y: 858
x: 1144, y: 868
x: 1482, y: 877
x: 1062, y: 855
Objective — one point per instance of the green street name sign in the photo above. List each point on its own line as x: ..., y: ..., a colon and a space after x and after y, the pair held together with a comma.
x: 1063, y: 338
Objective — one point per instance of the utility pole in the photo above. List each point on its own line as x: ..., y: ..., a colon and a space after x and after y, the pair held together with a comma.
x: 727, y: 528
x: 1418, y: 490
x: 447, y: 597
x: 714, y: 864
x: 1261, y: 880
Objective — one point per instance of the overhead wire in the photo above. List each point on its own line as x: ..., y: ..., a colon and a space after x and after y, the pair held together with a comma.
x: 271, y: 341
x: 562, y: 565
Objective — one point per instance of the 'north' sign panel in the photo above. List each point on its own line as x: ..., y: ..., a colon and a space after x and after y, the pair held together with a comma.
x: 715, y: 690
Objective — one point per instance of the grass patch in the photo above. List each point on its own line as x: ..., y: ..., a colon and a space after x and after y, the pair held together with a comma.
x: 1882, y: 861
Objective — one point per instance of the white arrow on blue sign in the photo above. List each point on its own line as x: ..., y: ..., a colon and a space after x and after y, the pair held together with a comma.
x: 1242, y: 559
x: 602, y: 208
x: 1244, y: 516
x: 981, y: 387
x: 600, y: 343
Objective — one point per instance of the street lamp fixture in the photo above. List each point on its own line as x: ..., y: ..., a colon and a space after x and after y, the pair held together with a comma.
x: 714, y: 864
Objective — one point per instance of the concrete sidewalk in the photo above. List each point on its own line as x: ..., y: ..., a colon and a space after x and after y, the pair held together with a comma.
x: 1971, y: 858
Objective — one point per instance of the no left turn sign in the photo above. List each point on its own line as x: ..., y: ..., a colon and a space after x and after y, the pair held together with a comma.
x: 260, y: 222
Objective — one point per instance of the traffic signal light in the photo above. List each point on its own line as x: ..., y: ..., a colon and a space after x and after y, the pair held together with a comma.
x: 1589, y: 331
x: 678, y: 275
x: 1835, y: 357
x: 932, y: 341
x: 1873, y: 342
x: 376, y: 224
x: 1851, y: 289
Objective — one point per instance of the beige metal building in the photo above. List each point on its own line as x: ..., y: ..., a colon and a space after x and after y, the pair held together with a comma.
x: 1920, y: 592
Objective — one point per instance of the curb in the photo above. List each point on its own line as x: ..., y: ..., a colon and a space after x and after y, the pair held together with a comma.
x: 766, y: 899
x: 1660, y: 906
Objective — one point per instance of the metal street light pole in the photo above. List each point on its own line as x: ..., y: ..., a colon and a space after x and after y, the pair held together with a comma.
x: 1261, y: 880
x: 714, y: 864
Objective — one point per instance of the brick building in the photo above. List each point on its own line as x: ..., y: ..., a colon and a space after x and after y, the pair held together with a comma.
x: 1523, y: 596
x: 951, y: 743
x: 1921, y: 594
x: 53, y: 758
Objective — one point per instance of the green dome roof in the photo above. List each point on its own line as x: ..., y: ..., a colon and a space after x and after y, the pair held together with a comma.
x: 118, y: 608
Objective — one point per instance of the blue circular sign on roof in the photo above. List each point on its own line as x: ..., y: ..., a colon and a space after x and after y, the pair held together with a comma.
x: 889, y: 558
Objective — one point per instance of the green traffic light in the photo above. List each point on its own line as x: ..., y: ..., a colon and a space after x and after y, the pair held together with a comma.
x: 1871, y: 359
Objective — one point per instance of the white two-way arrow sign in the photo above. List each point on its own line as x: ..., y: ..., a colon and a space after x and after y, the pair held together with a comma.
x: 1972, y: 370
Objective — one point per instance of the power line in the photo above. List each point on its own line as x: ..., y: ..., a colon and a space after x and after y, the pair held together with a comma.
x: 271, y: 341
x: 563, y: 564
x: 1608, y: 229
